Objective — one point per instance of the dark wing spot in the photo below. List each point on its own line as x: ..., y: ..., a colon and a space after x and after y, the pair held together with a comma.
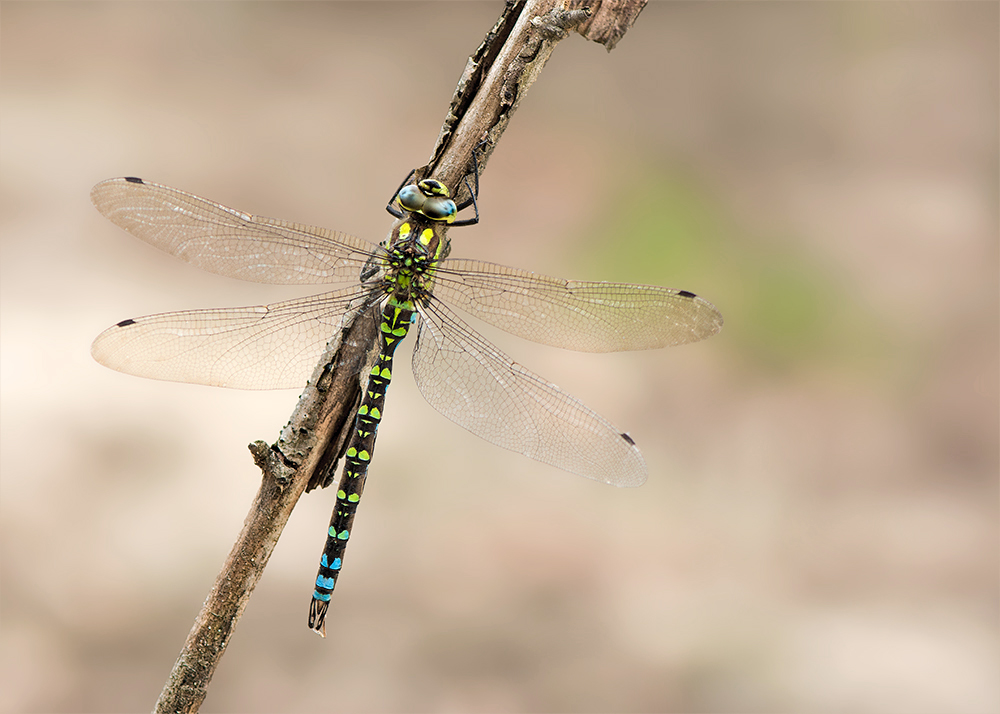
x: 126, y: 323
x: 685, y: 293
x: 627, y: 438
x: 133, y: 179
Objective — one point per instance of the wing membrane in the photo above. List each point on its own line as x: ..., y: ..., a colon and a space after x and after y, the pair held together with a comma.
x: 471, y: 382
x: 229, y: 242
x: 584, y: 316
x: 263, y: 347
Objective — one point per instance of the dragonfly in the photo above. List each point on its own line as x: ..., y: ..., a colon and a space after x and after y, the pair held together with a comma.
x: 406, y: 283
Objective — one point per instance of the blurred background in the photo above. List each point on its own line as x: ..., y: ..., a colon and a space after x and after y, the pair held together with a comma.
x: 820, y: 527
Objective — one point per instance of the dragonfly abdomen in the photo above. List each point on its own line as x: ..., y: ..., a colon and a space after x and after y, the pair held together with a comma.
x: 396, y: 319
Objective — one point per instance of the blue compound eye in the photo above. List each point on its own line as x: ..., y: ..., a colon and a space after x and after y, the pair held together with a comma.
x: 433, y: 187
x: 411, y: 198
x: 439, y: 208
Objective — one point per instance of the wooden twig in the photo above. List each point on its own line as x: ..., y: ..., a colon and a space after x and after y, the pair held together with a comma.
x: 311, y: 444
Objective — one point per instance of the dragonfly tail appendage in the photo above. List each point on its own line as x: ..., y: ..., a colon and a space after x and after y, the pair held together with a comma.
x: 317, y: 616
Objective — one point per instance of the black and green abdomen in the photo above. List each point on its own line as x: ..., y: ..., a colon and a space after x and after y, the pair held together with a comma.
x: 396, y: 319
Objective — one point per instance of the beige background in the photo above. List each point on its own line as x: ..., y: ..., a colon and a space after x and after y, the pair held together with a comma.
x: 819, y: 530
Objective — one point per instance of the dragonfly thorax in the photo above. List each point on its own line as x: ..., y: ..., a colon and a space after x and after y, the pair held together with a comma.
x: 409, y: 258
x: 417, y: 236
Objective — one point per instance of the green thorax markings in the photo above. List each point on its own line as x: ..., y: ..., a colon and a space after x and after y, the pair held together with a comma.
x: 415, y: 247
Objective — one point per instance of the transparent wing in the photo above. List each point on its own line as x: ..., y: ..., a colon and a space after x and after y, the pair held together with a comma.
x: 584, y: 316
x: 478, y: 387
x: 263, y: 347
x: 229, y: 242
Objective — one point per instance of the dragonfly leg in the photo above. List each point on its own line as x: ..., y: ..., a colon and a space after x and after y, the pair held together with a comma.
x: 473, y: 192
x: 391, y: 206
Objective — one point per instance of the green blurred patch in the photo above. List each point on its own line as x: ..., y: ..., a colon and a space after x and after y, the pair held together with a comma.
x: 659, y: 227
x: 784, y: 308
x: 789, y: 311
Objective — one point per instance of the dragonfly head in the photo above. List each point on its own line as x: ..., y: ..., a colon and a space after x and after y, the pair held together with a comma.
x: 429, y: 198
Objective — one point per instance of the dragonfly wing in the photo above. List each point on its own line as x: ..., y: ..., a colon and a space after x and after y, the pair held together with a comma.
x: 584, y: 316
x: 263, y: 347
x: 229, y: 242
x: 478, y: 387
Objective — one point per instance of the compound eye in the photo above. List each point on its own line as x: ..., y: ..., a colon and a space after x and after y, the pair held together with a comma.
x: 411, y: 198
x: 433, y: 187
x: 439, y: 208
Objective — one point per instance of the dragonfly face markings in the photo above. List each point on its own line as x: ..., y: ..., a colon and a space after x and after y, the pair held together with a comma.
x: 407, y: 282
